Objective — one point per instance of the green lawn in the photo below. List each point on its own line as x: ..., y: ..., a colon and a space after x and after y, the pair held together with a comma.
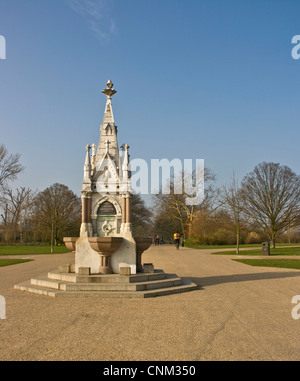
x: 277, y: 251
x: 8, y: 262
x: 252, y: 245
x: 31, y: 250
x: 281, y: 263
x: 219, y: 246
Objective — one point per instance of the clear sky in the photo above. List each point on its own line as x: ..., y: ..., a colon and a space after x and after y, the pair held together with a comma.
x: 208, y: 79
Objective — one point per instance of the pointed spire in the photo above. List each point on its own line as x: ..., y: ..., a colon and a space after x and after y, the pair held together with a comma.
x: 93, y: 156
x: 125, y: 169
x: 109, y: 92
x: 87, y: 166
x: 108, y: 129
x: 93, y: 149
x: 125, y: 161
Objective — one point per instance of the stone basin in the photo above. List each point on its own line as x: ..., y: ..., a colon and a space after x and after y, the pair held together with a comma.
x: 70, y: 243
x: 105, y: 247
x: 142, y: 244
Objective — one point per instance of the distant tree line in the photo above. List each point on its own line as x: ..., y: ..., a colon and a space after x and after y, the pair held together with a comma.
x: 28, y: 216
x: 39, y: 217
x: 264, y: 206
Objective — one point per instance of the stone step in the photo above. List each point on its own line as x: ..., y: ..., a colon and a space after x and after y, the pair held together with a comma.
x: 108, y: 278
x: 170, y: 290
x: 98, y: 287
x: 27, y: 286
x: 66, y: 277
x: 165, y: 283
x: 136, y: 286
x: 44, y: 281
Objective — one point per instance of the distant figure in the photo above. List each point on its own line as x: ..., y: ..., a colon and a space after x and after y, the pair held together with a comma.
x: 176, y: 239
x: 182, y: 240
x: 156, y: 240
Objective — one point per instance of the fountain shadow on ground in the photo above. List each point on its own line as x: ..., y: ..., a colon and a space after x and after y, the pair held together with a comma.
x: 235, y: 278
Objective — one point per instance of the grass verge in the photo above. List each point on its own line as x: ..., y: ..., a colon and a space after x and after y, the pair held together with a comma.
x: 31, y: 250
x: 220, y: 246
x: 242, y: 246
x: 277, y: 251
x: 281, y: 263
x: 9, y: 262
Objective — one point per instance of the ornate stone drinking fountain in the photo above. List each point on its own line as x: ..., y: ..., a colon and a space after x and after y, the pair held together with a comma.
x: 106, y: 242
x: 107, y: 256
x: 105, y: 247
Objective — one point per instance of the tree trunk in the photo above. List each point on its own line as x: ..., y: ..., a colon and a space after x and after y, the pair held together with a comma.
x: 273, y: 243
x: 52, y: 237
x: 238, y: 240
x: 273, y: 240
x: 190, y: 230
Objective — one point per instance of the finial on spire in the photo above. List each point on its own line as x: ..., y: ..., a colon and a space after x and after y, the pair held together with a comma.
x: 93, y: 149
x: 109, y: 91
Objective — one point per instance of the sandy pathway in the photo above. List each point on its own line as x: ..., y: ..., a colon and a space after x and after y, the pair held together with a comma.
x: 239, y: 312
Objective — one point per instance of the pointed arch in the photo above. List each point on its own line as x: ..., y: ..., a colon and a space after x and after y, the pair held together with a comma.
x: 108, y: 198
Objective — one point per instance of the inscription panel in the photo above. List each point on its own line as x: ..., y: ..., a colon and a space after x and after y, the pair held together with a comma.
x: 106, y: 208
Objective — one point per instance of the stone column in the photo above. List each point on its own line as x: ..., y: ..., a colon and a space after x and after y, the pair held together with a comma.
x: 83, y: 209
x: 123, y: 209
x: 89, y: 209
x: 105, y: 267
x: 86, y: 214
x: 128, y: 208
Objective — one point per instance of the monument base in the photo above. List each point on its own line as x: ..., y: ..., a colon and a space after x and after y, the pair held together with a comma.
x: 86, y: 256
x: 142, y: 285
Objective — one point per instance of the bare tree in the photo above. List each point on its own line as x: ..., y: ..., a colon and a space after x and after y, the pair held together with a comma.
x: 57, y: 211
x: 9, y: 166
x: 140, y: 217
x: 179, y: 209
x: 231, y: 197
x: 271, y: 196
x: 16, y: 208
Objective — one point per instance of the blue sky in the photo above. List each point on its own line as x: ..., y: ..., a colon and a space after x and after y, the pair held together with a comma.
x: 209, y: 79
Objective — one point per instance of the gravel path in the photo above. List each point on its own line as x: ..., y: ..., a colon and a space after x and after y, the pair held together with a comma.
x: 239, y: 312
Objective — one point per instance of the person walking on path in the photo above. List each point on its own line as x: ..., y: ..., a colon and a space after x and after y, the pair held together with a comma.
x: 176, y: 239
